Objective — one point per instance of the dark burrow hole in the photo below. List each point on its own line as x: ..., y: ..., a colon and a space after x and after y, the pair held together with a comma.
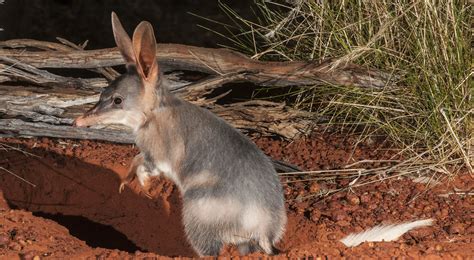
x: 93, y: 233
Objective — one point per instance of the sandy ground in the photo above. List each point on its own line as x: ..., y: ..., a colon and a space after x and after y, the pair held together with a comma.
x: 75, y: 209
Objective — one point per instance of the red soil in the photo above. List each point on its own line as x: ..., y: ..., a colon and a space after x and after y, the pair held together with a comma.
x: 75, y: 210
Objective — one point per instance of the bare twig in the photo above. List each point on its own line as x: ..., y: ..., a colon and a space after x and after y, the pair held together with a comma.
x: 18, y: 176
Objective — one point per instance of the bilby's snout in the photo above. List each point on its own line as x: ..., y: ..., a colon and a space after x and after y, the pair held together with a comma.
x: 82, y: 121
x: 78, y: 122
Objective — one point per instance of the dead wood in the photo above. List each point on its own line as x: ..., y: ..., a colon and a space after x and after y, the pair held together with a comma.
x: 212, y: 61
x: 58, y: 106
x: 44, y: 103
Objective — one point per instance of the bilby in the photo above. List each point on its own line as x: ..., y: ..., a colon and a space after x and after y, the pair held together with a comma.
x: 231, y: 192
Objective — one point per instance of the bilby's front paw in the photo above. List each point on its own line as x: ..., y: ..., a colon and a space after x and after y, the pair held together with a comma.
x: 143, y: 175
x: 147, y: 194
x: 128, y: 179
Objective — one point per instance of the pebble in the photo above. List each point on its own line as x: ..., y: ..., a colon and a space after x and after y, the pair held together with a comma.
x: 353, y: 199
x: 113, y: 254
x: 19, y: 237
x: 372, y: 206
x: 28, y: 255
x: 443, y: 213
x: 427, y: 208
x: 365, y: 198
x: 331, y: 236
x: 456, y: 228
x: 4, y: 239
x: 338, y: 215
x: 314, y: 188
x: 343, y: 223
x: 421, y: 232
x: 315, y: 215
x: 14, y: 246
x: 438, y: 248
x: 332, y: 205
x: 470, y: 230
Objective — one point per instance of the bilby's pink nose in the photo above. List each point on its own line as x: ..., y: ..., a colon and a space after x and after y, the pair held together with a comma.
x: 78, y: 122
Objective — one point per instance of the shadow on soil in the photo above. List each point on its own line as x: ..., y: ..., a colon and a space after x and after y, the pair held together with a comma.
x: 85, y: 199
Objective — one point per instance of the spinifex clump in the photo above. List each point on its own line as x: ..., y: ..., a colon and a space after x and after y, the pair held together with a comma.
x: 428, y: 114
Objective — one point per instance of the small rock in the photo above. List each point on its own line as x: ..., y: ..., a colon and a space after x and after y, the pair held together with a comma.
x: 4, y: 239
x: 371, y: 244
x: 14, y: 246
x: 365, y: 198
x: 438, y: 248
x: 113, y: 254
x: 353, y: 199
x: 28, y: 255
x: 314, y: 188
x: 22, y: 242
x: 334, y: 205
x: 338, y: 215
x: 331, y: 236
x: 19, y: 237
x: 427, y: 208
x: 443, y: 213
x: 373, y: 206
x: 456, y: 228
x: 343, y: 223
x: 470, y: 230
x: 315, y: 215
x: 300, y: 210
x: 421, y: 233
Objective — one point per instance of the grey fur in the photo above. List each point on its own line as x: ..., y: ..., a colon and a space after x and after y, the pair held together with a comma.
x: 244, y: 174
x: 231, y: 192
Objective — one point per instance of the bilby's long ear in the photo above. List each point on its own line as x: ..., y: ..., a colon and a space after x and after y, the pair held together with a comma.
x: 144, y: 46
x: 123, y: 41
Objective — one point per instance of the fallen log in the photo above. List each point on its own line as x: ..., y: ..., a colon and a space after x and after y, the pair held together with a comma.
x: 59, y: 106
x: 47, y: 104
x: 212, y: 61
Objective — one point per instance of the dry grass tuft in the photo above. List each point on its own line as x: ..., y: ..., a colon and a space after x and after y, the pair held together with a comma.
x: 426, y: 45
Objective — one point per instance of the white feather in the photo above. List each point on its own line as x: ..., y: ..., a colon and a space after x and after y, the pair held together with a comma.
x: 379, y: 233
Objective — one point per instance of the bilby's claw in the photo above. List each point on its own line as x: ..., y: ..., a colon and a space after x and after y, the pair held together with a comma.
x: 121, y: 187
x: 148, y: 195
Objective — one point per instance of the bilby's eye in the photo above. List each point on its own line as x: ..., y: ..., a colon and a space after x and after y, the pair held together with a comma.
x: 117, y: 100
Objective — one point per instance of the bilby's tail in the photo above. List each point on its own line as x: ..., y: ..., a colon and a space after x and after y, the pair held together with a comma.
x: 389, y: 232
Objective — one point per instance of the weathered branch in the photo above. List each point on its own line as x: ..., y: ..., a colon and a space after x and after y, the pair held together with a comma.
x: 59, y: 106
x: 212, y: 61
x: 59, y: 99
x: 16, y: 127
x: 20, y: 128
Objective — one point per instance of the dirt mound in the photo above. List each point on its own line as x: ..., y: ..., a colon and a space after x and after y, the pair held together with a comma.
x: 75, y: 208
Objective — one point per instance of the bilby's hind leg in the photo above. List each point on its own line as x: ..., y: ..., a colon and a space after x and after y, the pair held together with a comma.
x: 266, y: 245
x: 203, y: 237
x: 205, y: 246
x: 247, y: 248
